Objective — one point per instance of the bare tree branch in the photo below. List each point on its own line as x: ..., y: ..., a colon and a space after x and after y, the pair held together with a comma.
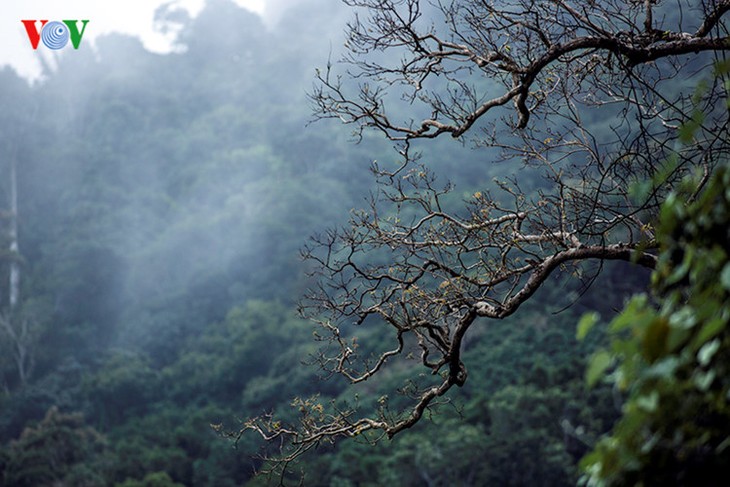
x: 599, y: 99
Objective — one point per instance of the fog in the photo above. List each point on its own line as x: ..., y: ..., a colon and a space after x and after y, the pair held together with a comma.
x: 144, y: 20
x: 174, y: 173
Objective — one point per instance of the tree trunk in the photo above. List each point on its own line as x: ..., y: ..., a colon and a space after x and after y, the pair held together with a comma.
x: 15, y: 326
x: 14, y: 287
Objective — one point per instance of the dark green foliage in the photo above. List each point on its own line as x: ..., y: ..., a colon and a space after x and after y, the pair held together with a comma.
x: 122, y: 388
x: 61, y: 388
x: 157, y: 479
x: 672, y: 359
x: 61, y: 449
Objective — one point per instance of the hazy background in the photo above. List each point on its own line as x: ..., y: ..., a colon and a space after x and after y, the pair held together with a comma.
x: 139, y: 19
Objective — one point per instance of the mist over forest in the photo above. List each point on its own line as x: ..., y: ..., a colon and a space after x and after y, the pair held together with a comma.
x: 162, y: 202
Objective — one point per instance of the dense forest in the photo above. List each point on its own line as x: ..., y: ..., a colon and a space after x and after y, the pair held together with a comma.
x: 153, y: 208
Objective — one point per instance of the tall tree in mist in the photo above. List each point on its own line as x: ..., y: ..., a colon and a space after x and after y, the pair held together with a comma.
x: 588, y: 102
x: 15, y: 328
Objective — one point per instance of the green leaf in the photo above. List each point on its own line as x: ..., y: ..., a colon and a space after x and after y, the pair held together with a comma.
x: 649, y: 444
x: 679, y: 272
x: 600, y: 361
x: 723, y: 446
x: 664, y: 368
x: 709, y: 330
x: 654, y: 342
x: 707, y: 351
x: 683, y: 318
x: 586, y: 323
x: 725, y: 276
x: 688, y: 129
x: 648, y: 403
x: 703, y: 380
x: 635, y: 307
x: 639, y: 191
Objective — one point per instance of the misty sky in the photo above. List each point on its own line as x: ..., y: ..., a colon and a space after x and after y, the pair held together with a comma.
x: 136, y: 17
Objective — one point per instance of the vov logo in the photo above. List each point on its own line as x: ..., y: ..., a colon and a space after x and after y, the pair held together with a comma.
x: 55, y: 35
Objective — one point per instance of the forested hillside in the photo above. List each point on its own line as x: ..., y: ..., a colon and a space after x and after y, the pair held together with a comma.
x: 161, y: 203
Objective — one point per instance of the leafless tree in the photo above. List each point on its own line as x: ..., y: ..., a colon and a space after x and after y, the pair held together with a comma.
x: 593, y: 95
x: 19, y: 334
